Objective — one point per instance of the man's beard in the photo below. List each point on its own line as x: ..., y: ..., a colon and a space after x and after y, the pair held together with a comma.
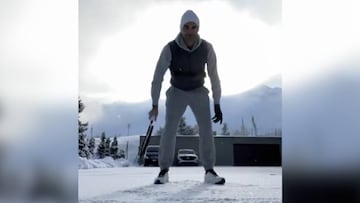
x: 190, y: 36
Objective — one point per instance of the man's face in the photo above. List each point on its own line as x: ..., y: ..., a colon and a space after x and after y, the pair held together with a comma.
x: 190, y: 31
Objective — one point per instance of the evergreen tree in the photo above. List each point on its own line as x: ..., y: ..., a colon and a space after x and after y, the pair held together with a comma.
x: 184, y: 129
x: 182, y: 126
x: 225, y: 130
x: 83, y: 147
x: 189, y: 131
x: 107, y: 146
x: 92, y: 146
x: 114, y: 150
x: 82, y: 127
x: 101, y: 146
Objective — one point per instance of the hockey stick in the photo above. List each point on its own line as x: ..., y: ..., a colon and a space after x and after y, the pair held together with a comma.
x: 146, y: 141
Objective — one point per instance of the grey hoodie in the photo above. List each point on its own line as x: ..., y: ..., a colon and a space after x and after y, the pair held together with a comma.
x: 163, y: 65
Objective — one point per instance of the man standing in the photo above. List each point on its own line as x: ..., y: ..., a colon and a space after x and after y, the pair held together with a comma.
x: 186, y: 57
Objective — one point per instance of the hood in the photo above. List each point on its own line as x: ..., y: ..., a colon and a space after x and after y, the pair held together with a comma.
x: 189, y: 16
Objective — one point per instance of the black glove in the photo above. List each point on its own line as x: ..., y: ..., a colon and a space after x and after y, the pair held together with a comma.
x: 218, y: 114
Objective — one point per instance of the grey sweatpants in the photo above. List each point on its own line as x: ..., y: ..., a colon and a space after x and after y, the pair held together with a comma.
x: 176, y: 103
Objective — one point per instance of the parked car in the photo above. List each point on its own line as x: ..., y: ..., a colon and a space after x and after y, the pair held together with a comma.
x: 187, y: 157
x: 151, y: 155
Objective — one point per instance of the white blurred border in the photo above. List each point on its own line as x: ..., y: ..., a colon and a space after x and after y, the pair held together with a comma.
x: 38, y: 98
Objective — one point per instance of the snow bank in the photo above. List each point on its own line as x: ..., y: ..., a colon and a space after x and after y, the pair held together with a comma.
x: 133, y: 144
x: 106, y: 162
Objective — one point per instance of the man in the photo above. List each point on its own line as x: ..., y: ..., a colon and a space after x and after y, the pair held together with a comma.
x: 186, y: 57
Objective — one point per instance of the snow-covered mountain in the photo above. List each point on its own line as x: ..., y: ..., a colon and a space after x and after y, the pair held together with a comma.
x: 262, y: 102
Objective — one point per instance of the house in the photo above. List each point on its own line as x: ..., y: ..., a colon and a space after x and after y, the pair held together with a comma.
x: 234, y: 150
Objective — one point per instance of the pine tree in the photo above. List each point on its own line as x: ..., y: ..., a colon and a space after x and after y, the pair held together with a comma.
x: 225, y: 130
x: 182, y: 126
x: 114, y: 150
x: 107, y: 146
x: 101, y: 147
x: 83, y: 148
x: 184, y: 129
x: 92, y: 146
x: 189, y: 131
x: 82, y: 127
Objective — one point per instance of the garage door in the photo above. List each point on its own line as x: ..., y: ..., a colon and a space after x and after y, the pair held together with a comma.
x: 257, y: 155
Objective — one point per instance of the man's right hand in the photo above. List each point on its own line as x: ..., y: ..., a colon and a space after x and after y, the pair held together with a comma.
x: 153, y: 113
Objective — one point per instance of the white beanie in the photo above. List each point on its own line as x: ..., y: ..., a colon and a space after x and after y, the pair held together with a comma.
x: 189, y: 16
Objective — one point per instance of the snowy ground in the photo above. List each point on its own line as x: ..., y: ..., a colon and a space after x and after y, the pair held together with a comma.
x: 135, y: 185
x: 123, y: 181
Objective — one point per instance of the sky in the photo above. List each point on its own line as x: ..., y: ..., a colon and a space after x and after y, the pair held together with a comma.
x: 120, y: 43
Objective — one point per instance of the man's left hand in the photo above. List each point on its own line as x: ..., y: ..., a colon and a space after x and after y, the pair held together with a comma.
x: 218, y: 114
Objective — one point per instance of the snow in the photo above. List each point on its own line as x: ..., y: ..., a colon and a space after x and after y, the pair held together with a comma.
x: 124, y: 181
x: 108, y: 162
x: 135, y: 185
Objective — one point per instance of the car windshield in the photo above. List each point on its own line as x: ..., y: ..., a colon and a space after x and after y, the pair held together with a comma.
x: 186, y: 151
x: 152, y: 149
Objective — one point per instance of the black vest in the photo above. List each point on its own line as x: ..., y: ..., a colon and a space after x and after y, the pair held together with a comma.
x: 188, y: 68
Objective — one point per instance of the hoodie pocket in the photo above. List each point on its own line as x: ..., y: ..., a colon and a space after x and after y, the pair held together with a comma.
x: 168, y: 91
x: 205, y: 90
